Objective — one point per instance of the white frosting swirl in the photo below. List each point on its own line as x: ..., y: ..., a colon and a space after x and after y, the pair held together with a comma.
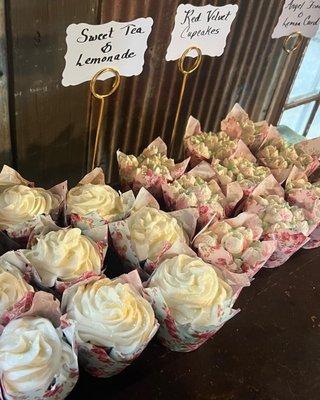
x: 112, y: 314
x: 150, y: 229
x: 191, y: 289
x: 30, y: 355
x: 102, y: 199
x: 20, y: 203
x: 12, y: 286
x: 65, y: 254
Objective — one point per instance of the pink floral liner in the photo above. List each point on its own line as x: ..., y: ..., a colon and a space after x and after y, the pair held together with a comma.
x: 98, y: 236
x: 42, y: 304
x: 232, y: 195
x: 150, y: 181
x: 305, y: 199
x: 288, y: 241
x: 22, y: 232
x: 194, y: 128
x: 99, y: 361
x: 231, y: 126
x: 93, y: 219
x: 222, y: 259
x: 183, y: 337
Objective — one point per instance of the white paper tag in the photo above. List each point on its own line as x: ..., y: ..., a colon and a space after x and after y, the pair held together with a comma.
x: 298, y: 16
x: 206, y: 27
x: 90, y: 48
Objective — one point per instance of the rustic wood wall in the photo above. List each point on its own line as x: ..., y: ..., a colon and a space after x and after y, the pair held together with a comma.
x: 49, y: 123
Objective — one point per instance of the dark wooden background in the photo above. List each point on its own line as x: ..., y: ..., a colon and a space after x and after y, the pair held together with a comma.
x: 45, y: 129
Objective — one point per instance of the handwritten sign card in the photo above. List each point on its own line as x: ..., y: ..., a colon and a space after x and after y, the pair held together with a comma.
x: 206, y: 27
x: 298, y: 16
x: 90, y: 48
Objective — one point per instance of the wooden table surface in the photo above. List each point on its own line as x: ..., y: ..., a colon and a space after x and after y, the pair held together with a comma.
x: 269, y: 351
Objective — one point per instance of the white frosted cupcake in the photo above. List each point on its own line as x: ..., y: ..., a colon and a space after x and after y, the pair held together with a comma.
x: 191, y: 301
x: 152, y: 230
x: 115, y: 323
x: 33, y: 361
x: 63, y: 255
x: 13, y: 287
x: 21, y: 207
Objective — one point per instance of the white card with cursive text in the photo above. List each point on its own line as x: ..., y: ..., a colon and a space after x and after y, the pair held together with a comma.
x: 298, y: 16
x: 90, y: 48
x: 206, y: 27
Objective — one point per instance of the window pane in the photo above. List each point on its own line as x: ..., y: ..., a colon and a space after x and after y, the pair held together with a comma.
x: 314, y: 130
x: 307, y: 81
x: 296, y: 118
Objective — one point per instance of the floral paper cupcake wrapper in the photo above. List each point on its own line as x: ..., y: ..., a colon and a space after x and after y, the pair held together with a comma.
x: 240, y: 264
x: 276, y: 150
x: 306, y: 195
x: 152, y: 174
x: 98, y: 236
x: 121, y: 237
x: 202, y: 152
x: 202, y: 193
x: 21, y: 232
x: 15, y: 262
x: 183, y: 337
x: 105, y: 362
x: 93, y: 219
x: 289, y: 240
x: 238, y: 125
x: 42, y: 304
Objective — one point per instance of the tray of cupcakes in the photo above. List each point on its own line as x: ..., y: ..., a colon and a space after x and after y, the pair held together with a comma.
x: 189, y: 237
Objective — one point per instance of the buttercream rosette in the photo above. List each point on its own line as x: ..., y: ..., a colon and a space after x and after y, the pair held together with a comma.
x: 59, y: 257
x: 37, y: 352
x: 234, y: 245
x: 246, y: 173
x: 15, y: 290
x: 199, y: 189
x: 288, y: 225
x: 238, y: 125
x: 306, y: 195
x: 280, y: 156
x: 92, y: 203
x: 142, y: 238
x: 22, y: 204
x: 203, y: 146
x: 151, y: 169
x: 191, y: 300
x: 114, y: 322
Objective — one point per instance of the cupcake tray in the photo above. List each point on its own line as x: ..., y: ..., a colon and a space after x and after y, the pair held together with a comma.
x: 271, y: 350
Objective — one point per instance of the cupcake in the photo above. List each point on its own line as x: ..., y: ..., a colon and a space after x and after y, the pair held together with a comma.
x: 114, y: 322
x: 151, y: 169
x: 62, y: 256
x: 280, y: 156
x: 13, y: 286
x: 142, y: 238
x: 21, y: 204
x: 37, y: 357
x: 241, y: 170
x: 234, y: 245
x: 286, y: 224
x: 191, y: 301
x: 211, y: 146
x: 199, y: 189
x: 306, y: 195
x: 93, y: 203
